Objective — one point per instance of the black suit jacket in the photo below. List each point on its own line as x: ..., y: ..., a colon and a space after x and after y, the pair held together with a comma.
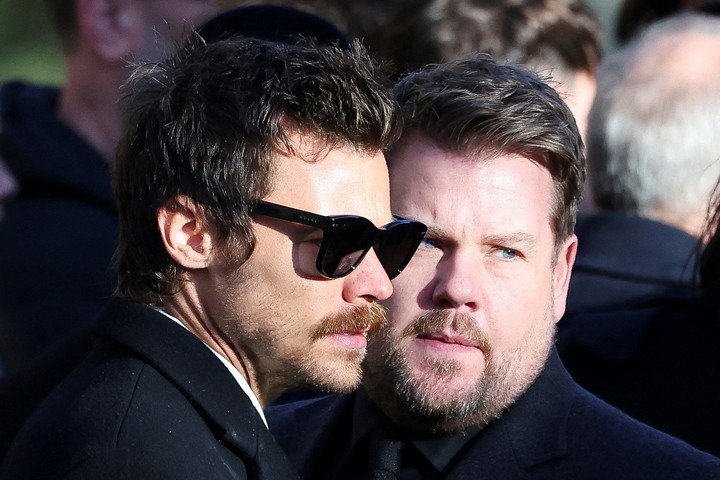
x: 150, y: 401
x: 556, y: 430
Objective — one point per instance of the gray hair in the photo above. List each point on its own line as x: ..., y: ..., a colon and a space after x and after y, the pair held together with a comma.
x: 653, y: 129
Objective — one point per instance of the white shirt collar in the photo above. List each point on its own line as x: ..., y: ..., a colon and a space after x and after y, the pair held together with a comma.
x: 231, y: 368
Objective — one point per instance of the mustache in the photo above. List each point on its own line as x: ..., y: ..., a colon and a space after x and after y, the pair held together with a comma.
x: 447, y: 322
x: 371, y: 316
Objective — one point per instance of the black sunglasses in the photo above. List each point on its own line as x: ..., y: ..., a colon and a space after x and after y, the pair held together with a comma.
x: 348, y: 238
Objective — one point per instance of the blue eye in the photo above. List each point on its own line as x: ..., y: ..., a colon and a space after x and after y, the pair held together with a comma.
x: 428, y: 243
x: 506, y: 253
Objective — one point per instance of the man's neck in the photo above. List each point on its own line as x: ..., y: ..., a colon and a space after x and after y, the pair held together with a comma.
x: 242, y: 381
x: 187, y: 307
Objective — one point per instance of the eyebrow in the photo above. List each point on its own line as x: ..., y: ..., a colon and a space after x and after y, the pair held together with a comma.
x: 439, y: 233
x: 511, y: 237
x: 521, y: 240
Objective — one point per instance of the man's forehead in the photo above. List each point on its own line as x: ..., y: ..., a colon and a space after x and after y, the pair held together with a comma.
x: 342, y: 180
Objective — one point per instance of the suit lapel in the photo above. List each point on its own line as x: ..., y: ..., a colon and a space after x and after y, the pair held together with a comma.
x: 194, y: 370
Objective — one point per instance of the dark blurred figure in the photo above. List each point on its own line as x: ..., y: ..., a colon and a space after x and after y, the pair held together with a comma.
x: 635, y: 332
x: 660, y: 362
x: 560, y: 38
x: 654, y: 159
x: 362, y: 20
x: 278, y: 21
x: 8, y: 188
x: 635, y: 15
x: 60, y: 231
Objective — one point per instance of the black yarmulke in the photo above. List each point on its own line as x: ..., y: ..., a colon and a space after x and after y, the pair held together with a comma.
x: 273, y: 23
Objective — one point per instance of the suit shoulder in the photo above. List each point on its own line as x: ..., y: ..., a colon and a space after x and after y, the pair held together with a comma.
x: 126, y: 464
x: 618, y: 442
x: 95, y: 411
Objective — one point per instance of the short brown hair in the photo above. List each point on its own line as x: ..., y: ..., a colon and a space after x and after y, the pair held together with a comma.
x: 479, y: 105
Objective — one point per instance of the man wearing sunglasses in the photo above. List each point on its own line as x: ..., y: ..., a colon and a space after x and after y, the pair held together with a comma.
x: 255, y: 239
x: 464, y: 382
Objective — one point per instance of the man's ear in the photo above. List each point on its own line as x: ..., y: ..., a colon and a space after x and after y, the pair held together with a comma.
x: 114, y: 28
x: 562, y: 273
x: 186, y: 237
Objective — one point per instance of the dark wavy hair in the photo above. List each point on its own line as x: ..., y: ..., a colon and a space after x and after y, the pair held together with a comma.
x: 708, y: 249
x: 482, y: 106
x: 207, y: 124
x: 563, y: 34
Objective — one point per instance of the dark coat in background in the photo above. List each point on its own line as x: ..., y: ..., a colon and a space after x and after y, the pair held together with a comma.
x: 58, y: 235
x: 637, y: 334
x: 625, y: 259
x: 658, y: 362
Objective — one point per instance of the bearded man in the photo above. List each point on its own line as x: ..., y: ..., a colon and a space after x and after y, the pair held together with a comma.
x: 464, y: 381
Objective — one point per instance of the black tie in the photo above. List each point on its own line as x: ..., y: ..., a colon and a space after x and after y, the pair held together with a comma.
x: 384, y: 457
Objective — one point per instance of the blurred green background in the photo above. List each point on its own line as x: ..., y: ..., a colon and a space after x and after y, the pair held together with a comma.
x: 29, y: 48
x: 28, y: 45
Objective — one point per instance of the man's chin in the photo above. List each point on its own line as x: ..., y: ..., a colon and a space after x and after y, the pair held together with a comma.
x: 455, y: 370
x: 444, y: 395
x: 335, y: 371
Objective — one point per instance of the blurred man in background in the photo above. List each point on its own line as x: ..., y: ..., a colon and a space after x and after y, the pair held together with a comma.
x: 654, y: 161
x: 60, y: 231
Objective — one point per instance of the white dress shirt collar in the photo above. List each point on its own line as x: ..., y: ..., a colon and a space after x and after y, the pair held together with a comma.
x: 231, y: 368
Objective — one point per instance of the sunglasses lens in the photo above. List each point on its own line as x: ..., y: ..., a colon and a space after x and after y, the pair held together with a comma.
x: 397, y: 244
x: 344, y: 245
